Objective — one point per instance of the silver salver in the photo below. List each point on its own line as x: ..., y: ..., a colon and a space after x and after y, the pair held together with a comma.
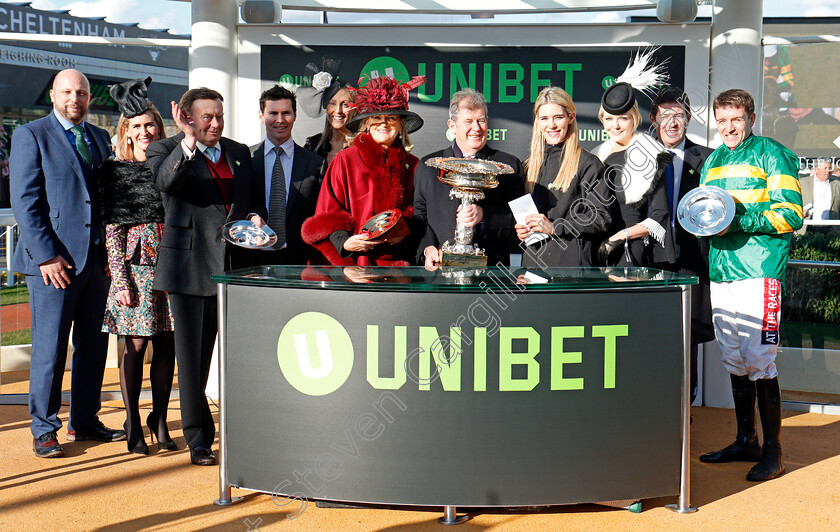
x: 706, y: 211
x: 245, y: 234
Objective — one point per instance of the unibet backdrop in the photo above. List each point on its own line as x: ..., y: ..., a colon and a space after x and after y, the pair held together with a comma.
x: 509, y: 77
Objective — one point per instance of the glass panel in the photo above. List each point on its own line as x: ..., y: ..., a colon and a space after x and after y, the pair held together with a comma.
x: 809, y: 354
x: 801, y: 109
x: 14, y: 317
x: 417, y: 278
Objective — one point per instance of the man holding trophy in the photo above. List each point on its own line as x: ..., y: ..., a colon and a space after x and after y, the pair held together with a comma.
x: 490, y: 218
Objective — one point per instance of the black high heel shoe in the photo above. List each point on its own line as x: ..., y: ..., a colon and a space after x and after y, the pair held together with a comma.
x: 136, y: 443
x: 164, y: 445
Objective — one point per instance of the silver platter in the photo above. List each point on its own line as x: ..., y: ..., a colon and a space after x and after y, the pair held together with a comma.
x: 706, y: 211
x: 245, y: 234
x: 381, y: 223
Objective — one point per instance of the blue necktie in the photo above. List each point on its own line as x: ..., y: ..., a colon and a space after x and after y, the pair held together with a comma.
x: 212, y: 154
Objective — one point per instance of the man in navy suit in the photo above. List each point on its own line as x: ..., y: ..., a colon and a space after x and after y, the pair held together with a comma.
x: 62, y: 253
x: 205, y: 180
x: 670, y: 114
x: 302, y: 179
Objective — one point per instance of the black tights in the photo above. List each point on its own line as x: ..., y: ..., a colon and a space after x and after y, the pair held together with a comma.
x: 131, y: 381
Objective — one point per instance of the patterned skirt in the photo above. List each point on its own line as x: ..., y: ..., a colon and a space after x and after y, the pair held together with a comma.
x: 150, y: 313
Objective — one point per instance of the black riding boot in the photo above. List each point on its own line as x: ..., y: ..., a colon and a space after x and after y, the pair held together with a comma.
x: 770, y: 409
x: 745, y: 448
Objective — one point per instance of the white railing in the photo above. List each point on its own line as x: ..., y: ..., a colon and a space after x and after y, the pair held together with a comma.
x: 8, y: 224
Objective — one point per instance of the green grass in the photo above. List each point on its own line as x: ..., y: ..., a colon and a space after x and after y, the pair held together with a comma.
x: 10, y: 295
x: 23, y: 336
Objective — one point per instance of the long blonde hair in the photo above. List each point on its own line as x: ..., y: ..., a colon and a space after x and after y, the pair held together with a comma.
x: 124, y: 150
x: 571, y: 153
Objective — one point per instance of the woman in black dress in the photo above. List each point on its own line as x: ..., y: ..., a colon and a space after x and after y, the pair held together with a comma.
x: 635, y: 164
x: 567, y: 185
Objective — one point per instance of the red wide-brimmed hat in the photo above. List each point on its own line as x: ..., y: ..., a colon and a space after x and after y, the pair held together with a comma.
x: 385, y: 96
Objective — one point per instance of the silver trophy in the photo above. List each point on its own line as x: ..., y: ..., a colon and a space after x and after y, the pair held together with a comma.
x: 468, y: 179
x: 706, y: 211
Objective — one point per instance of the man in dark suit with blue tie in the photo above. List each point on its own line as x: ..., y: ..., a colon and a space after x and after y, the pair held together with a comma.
x: 62, y: 253
x: 670, y: 114
x: 288, y: 182
x: 205, y: 180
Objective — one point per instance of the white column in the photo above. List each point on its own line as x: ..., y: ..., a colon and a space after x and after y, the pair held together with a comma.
x: 213, y: 64
x: 213, y: 55
x: 736, y: 58
x: 736, y: 63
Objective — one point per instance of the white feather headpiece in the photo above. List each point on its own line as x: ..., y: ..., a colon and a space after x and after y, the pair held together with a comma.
x: 642, y: 73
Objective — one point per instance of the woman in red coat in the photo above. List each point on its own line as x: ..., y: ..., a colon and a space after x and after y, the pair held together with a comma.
x: 376, y: 173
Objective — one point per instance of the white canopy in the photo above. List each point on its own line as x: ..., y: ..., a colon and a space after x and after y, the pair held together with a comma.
x: 450, y: 7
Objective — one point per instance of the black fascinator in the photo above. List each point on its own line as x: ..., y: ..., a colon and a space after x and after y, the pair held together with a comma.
x: 131, y: 96
x: 325, y: 83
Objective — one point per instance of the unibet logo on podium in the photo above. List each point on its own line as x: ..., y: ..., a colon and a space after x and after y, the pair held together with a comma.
x: 310, y: 337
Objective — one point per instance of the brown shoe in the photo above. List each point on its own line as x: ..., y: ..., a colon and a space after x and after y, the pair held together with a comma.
x: 202, y: 456
x: 46, y: 446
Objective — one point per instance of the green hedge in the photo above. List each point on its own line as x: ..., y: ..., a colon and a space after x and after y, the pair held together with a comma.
x: 813, y: 294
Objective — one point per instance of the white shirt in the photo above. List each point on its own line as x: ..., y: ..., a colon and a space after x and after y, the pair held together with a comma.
x: 189, y: 154
x: 822, y: 200
x: 285, y: 160
x: 66, y: 124
x: 679, y: 159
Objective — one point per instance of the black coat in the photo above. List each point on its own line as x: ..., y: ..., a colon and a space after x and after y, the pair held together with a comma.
x: 434, y: 208
x: 312, y: 143
x: 627, y: 212
x: 304, y: 188
x: 192, y: 248
x: 578, y: 215
x: 693, y: 252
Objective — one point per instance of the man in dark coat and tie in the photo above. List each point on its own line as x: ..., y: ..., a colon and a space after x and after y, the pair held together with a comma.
x: 62, y: 253
x: 206, y: 181
x: 491, y: 216
x: 287, y: 185
x: 670, y: 114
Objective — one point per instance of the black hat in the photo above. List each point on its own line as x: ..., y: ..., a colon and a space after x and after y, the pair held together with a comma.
x: 642, y: 73
x: 130, y: 96
x: 618, y: 99
x: 325, y: 83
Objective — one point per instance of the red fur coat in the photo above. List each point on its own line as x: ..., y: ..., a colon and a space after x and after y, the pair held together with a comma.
x: 361, y: 181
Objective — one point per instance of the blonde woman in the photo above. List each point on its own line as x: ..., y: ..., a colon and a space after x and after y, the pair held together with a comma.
x: 567, y: 185
x: 635, y: 166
